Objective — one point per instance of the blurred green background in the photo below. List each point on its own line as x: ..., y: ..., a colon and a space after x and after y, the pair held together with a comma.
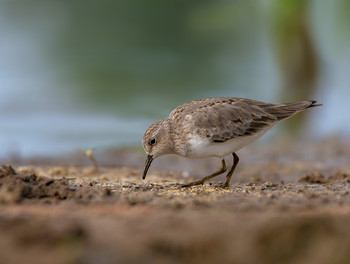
x: 81, y: 74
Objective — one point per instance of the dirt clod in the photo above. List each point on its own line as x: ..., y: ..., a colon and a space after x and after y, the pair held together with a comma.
x: 17, y: 187
x: 314, y: 177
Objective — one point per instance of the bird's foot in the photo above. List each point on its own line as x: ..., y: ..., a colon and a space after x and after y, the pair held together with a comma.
x: 195, y: 183
x: 222, y: 185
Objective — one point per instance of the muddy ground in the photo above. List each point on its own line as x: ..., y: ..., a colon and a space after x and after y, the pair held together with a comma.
x: 287, y: 203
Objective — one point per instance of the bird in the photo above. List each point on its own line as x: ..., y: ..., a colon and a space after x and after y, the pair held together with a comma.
x: 215, y: 127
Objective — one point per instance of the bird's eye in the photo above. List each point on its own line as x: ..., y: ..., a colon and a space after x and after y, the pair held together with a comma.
x: 152, y: 141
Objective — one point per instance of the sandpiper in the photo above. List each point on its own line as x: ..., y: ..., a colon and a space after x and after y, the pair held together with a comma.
x: 215, y: 127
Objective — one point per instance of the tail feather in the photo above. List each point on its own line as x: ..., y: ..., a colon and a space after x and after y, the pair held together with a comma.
x: 283, y: 111
x: 313, y: 104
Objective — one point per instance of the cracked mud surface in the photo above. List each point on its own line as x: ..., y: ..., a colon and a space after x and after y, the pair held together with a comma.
x: 293, y: 209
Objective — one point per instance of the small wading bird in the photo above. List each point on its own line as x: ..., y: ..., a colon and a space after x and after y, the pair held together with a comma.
x: 215, y: 127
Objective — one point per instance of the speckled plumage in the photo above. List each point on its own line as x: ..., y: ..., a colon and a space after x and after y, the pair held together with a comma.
x: 215, y: 126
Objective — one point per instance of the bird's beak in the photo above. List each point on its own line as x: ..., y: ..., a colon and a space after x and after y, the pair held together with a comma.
x: 147, y: 165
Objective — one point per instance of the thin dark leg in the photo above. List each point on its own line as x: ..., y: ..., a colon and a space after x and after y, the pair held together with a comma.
x: 229, y: 174
x: 201, y: 181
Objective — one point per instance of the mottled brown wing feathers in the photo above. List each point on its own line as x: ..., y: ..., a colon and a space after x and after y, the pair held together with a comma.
x: 283, y: 111
x: 221, y: 119
x: 228, y: 119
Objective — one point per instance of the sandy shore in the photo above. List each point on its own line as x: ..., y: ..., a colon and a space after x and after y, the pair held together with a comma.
x: 286, y: 204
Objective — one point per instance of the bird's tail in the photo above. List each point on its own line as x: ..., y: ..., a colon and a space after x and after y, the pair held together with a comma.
x: 283, y: 111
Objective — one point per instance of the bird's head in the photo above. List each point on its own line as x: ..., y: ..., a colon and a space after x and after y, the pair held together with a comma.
x: 156, y: 142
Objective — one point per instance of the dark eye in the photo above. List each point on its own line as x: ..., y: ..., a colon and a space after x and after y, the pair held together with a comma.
x: 152, y: 141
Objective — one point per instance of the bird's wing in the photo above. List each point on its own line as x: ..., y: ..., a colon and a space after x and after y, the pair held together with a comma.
x: 227, y: 118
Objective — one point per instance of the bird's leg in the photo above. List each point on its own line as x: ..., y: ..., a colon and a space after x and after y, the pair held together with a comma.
x: 229, y: 174
x: 201, y: 181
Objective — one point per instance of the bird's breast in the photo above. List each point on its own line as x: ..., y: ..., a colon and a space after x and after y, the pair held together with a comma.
x: 200, y: 147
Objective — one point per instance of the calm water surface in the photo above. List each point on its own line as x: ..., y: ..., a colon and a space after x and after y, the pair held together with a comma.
x: 80, y: 76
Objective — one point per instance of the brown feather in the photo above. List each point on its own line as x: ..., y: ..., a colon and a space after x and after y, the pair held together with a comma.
x: 224, y: 118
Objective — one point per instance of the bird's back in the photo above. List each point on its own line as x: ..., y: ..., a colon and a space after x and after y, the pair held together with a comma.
x: 223, y: 118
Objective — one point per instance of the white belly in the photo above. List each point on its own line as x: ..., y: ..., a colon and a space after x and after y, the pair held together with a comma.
x: 200, y: 148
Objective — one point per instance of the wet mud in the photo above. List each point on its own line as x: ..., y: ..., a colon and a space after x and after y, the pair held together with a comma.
x: 17, y: 187
x: 291, y: 208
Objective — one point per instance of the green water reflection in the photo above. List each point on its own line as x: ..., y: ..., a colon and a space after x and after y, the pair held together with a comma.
x: 140, y: 59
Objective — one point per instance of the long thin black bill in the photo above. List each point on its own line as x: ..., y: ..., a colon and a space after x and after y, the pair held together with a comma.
x: 147, y: 165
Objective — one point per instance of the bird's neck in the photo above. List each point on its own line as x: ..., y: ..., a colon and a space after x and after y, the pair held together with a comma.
x: 168, y: 131
x: 176, y: 144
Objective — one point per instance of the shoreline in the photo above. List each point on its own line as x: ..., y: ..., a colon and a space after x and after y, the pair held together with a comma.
x: 284, y: 203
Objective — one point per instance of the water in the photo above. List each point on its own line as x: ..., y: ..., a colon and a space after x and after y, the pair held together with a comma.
x: 76, y: 76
